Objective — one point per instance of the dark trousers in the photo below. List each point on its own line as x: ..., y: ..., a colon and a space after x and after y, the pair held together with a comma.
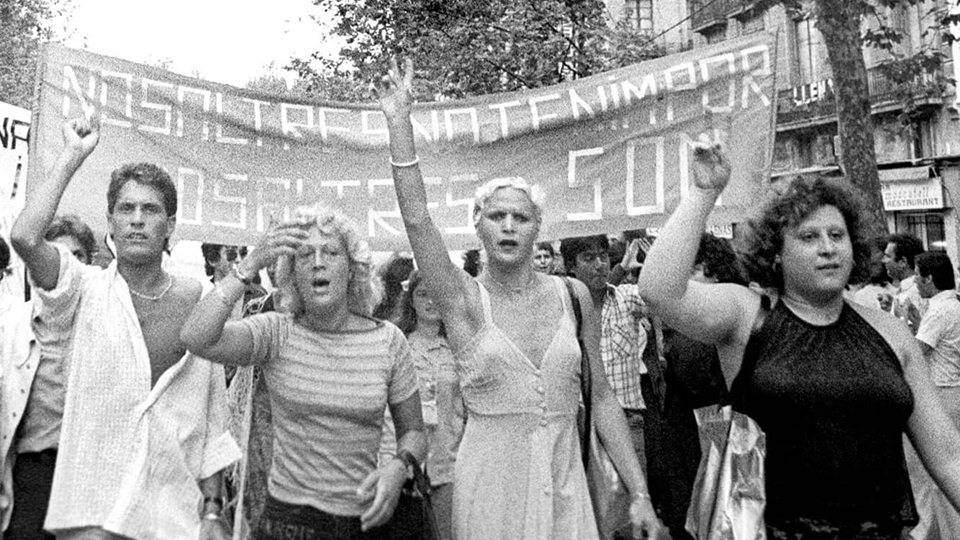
x: 32, y: 479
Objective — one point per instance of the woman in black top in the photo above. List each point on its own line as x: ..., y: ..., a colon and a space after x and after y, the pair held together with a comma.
x: 834, y: 385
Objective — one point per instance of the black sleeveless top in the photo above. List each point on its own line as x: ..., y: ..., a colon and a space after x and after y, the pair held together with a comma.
x: 834, y: 405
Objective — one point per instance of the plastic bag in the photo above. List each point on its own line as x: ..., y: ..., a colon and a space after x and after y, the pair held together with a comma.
x: 729, y: 496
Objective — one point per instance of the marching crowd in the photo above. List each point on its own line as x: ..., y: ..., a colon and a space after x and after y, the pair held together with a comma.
x: 121, y: 386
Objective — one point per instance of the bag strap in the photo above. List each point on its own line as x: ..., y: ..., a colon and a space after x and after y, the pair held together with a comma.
x: 585, y: 375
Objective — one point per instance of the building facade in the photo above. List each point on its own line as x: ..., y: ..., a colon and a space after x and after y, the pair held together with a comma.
x: 915, y: 125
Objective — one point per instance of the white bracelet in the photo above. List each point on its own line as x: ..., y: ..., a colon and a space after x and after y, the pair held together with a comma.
x: 416, y: 159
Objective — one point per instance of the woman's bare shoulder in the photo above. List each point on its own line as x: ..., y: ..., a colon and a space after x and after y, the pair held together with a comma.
x: 892, y: 329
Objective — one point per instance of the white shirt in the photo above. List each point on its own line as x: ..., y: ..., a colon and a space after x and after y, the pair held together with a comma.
x: 909, y: 291
x: 19, y: 358
x: 130, y: 457
x: 940, y: 329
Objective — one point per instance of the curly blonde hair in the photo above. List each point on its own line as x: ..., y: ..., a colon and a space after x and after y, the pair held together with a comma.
x: 334, y: 223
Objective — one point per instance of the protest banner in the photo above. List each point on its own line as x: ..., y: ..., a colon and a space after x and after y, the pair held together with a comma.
x: 14, y: 137
x: 610, y: 150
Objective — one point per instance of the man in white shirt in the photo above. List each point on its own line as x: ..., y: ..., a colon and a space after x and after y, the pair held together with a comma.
x: 939, y: 338
x: 143, y: 437
x: 899, y: 257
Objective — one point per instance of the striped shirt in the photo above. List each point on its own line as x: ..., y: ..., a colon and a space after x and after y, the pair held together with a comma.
x: 328, y: 391
x: 622, y: 340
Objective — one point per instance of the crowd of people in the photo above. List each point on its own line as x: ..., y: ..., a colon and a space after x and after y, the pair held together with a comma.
x: 119, y: 420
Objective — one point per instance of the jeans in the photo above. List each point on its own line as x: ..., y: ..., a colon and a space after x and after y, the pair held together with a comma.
x: 635, y: 422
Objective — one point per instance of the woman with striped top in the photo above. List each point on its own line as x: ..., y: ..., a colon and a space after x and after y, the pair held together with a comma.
x: 331, y: 369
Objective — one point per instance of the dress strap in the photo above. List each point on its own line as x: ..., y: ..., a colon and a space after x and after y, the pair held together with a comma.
x: 485, y: 301
x: 565, y: 299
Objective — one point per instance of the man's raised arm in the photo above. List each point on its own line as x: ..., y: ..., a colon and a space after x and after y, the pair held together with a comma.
x: 80, y: 137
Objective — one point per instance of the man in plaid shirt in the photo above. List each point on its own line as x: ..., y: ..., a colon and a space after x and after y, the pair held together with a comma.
x: 624, y: 328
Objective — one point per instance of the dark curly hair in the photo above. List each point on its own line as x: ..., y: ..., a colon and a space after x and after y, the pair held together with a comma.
x: 762, y: 239
x: 718, y: 260
x: 74, y: 227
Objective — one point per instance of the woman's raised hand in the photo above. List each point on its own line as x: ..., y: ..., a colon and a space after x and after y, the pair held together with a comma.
x: 711, y: 170
x: 396, y: 90
x: 279, y: 239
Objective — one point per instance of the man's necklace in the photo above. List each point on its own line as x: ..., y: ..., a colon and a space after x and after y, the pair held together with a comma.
x: 156, y: 297
x: 514, y: 290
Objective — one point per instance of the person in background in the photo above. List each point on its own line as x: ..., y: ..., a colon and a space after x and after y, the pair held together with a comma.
x: 219, y: 260
x: 33, y: 378
x: 878, y: 291
x: 330, y: 369
x: 143, y: 438
x: 440, y: 397
x: 519, y: 472
x: 628, y: 343
x: 543, y: 258
x: 472, y: 262
x: 899, y: 257
x: 7, y: 301
x: 693, y: 380
x: 939, y: 339
x: 834, y: 385
x: 392, y: 274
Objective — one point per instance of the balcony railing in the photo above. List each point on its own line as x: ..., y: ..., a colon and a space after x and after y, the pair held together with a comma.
x: 816, y: 102
x: 705, y: 13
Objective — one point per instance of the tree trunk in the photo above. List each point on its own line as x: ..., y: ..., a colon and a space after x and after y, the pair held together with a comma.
x: 839, y: 22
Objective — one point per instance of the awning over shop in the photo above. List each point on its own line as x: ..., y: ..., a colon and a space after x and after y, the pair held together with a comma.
x: 907, y: 174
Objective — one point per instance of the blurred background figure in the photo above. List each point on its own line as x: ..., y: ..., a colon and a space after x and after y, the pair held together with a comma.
x: 33, y: 381
x: 440, y: 399
x: 543, y: 258
x: 472, y: 262
x: 392, y: 275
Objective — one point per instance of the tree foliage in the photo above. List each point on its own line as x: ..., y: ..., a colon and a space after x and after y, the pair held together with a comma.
x: 23, y: 25
x: 466, y: 47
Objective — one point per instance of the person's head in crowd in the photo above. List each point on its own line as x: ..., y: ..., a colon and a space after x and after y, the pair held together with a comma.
x: 716, y: 262
x: 507, y: 213
x: 219, y: 260
x: 878, y: 270
x: 900, y: 253
x: 141, y: 211
x: 72, y: 233
x: 4, y: 258
x: 416, y: 306
x: 587, y: 259
x: 332, y: 266
x: 543, y: 258
x: 811, y: 239
x: 935, y: 272
x: 472, y: 262
x: 392, y: 275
